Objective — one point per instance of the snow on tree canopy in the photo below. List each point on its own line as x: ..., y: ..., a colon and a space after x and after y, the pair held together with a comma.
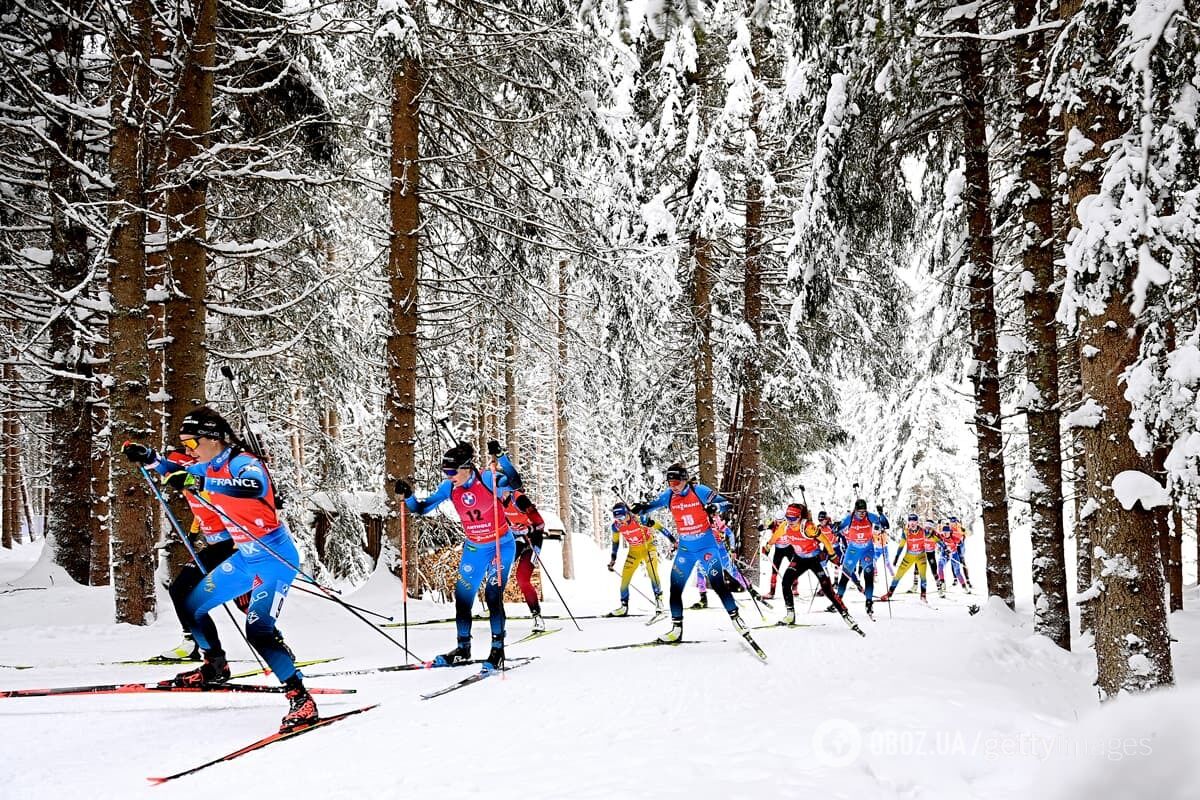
x: 1133, y: 486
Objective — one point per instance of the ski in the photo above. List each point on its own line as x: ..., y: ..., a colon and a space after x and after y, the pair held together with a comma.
x: 145, y: 688
x: 758, y: 651
x: 658, y: 616
x: 654, y: 643
x: 782, y: 624
x: 15, y: 666
x: 299, y: 665
x: 447, y: 620
x: 161, y: 660
x: 263, y: 742
x: 537, y: 635
x: 420, y: 665
x: 509, y: 665
x: 853, y: 625
x: 611, y: 615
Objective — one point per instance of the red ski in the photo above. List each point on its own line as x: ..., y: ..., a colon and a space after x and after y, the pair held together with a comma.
x: 143, y: 688
x: 261, y: 743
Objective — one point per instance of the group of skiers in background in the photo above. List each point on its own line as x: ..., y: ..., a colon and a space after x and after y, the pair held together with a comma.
x: 854, y: 548
x: 250, y: 556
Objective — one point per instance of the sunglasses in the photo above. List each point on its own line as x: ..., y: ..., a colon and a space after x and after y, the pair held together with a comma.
x: 190, y: 444
x: 620, y: 513
x: 790, y: 518
x: 449, y: 472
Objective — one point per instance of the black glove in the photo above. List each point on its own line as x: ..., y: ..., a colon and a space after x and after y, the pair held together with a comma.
x: 637, y: 508
x: 879, y: 510
x: 494, y: 448
x: 139, y: 453
x: 180, y: 480
x: 402, y: 488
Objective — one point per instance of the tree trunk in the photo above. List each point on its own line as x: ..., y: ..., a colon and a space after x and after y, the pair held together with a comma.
x: 10, y: 526
x: 1131, y: 636
x: 750, y: 448
x: 101, y: 490
x: 186, y: 201
x: 706, y: 415
x: 1175, y: 562
x: 68, y: 516
x: 511, y: 409
x: 403, y: 250
x: 1052, y: 615
x: 560, y: 423
x: 133, y: 540
x: 985, y: 376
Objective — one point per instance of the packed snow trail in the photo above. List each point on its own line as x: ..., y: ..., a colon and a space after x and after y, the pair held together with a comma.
x: 928, y: 705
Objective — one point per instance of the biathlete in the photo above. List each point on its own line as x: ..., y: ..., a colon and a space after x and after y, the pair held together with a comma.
x: 529, y: 531
x: 698, y: 546
x: 804, y: 538
x: 639, y: 538
x: 912, y: 543
x: 262, y: 564
x: 488, y: 547
x: 858, y: 530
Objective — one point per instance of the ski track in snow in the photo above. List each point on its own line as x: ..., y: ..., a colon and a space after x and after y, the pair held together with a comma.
x: 931, y: 704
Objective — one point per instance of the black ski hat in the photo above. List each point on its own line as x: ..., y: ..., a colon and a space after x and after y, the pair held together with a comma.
x: 206, y: 424
x: 458, y: 456
x: 860, y: 505
x: 677, y: 472
x: 620, y: 508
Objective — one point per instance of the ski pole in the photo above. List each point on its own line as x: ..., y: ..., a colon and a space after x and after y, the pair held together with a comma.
x: 538, y: 558
x: 500, y: 582
x: 404, y: 570
x: 308, y: 577
x: 302, y: 587
x: 196, y: 559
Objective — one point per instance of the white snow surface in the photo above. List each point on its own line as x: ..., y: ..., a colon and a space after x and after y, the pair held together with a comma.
x: 933, y: 703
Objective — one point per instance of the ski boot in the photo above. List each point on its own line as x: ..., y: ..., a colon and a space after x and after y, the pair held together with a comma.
x: 942, y: 590
x: 703, y: 602
x: 620, y: 611
x: 302, y: 709
x: 768, y: 596
x: 658, y: 605
x: 459, y: 655
x: 215, y: 669
x: 739, y: 624
x: 539, y: 624
x: 187, y: 650
x: 912, y: 589
x: 495, y: 659
x: 871, y: 609
x: 790, y: 617
x: 674, y: 635
x: 924, y: 599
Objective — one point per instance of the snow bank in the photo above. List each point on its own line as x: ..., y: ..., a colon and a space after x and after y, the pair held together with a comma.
x: 1134, y: 746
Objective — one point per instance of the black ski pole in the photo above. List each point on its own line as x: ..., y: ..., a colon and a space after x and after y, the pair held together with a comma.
x: 308, y: 577
x: 306, y: 590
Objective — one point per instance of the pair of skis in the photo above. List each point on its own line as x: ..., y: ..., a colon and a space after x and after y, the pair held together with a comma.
x: 149, y: 688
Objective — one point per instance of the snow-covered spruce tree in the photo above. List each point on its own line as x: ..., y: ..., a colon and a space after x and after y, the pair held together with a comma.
x: 53, y: 83
x: 1103, y: 83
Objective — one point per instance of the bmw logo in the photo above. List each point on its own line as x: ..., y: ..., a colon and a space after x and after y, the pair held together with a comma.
x: 468, y: 499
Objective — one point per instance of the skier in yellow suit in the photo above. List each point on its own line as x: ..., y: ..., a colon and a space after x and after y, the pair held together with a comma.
x: 640, y: 539
x: 913, y: 543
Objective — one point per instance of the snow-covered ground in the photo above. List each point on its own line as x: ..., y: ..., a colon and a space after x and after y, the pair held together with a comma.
x: 933, y: 703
